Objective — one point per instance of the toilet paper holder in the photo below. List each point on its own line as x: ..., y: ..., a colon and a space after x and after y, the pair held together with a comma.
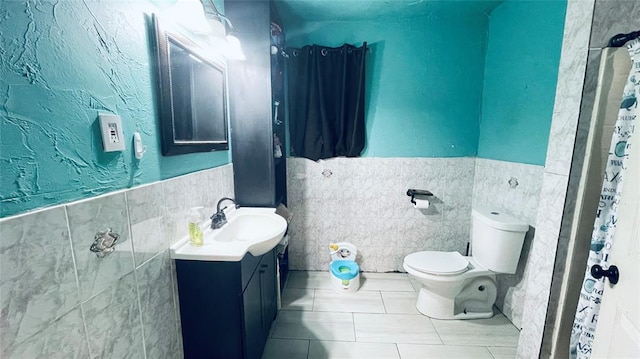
x: 417, y: 192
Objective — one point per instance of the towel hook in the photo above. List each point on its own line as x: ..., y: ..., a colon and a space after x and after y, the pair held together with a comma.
x: 104, y: 243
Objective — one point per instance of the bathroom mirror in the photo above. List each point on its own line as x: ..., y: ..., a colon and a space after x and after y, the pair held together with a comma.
x: 192, y: 94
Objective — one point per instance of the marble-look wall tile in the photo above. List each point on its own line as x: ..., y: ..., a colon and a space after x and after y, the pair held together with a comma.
x: 614, y: 17
x: 609, y: 19
x: 539, y: 271
x: 539, y: 276
x: 176, y: 306
x: 227, y: 180
x: 551, y: 204
x: 571, y: 74
x: 560, y: 150
x: 177, y: 205
x: 491, y: 187
x: 38, y: 282
x: 52, y: 287
x: 199, y: 189
x: 584, y: 123
x: 493, y: 190
x: 88, y: 217
x: 458, y: 192
x: 553, y: 322
x: 113, y: 321
x: 215, y: 184
x: 364, y: 201
x: 146, y: 216
x: 157, y: 306
x: 64, y: 338
x: 569, y: 90
x: 586, y: 107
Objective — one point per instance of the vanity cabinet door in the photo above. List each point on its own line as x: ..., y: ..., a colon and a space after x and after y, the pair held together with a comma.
x: 260, y: 306
x: 211, y: 309
x: 253, y: 332
x: 227, y: 308
x: 268, y: 284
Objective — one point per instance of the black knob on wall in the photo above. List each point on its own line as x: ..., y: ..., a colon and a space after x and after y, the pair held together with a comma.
x: 612, y: 273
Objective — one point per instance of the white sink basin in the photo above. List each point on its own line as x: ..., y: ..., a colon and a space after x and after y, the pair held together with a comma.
x: 253, y: 230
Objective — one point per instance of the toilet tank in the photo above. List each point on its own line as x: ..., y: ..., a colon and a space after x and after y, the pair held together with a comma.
x: 496, y: 240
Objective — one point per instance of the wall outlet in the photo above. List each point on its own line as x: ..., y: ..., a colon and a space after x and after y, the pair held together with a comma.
x: 111, y: 128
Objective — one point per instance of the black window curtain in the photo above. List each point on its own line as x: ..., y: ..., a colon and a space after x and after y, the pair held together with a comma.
x: 326, y: 101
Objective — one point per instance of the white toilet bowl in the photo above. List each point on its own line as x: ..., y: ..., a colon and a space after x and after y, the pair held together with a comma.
x: 457, y: 287
x: 465, y: 290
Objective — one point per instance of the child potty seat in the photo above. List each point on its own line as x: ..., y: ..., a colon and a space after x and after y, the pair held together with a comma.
x: 343, y: 251
x: 345, y: 272
x: 344, y: 269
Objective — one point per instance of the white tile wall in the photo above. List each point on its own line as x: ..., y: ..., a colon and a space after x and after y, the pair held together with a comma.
x: 492, y: 189
x: 609, y: 18
x: 79, y: 306
x: 364, y: 201
x: 573, y: 60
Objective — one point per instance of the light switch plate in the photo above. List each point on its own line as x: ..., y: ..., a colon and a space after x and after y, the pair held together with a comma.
x: 112, y: 136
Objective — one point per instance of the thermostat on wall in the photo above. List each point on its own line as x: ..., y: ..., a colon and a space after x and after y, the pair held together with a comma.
x: 111, y: 128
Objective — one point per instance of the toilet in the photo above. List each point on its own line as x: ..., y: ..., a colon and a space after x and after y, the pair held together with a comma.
x: 459, y: 287
x: 345, y: 272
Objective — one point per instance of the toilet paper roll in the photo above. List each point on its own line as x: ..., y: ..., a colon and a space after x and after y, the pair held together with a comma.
x: 421, y: 203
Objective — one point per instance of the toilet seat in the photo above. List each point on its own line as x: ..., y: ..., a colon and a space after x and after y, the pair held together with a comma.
x: 344, y: 269
x: 439, y: 263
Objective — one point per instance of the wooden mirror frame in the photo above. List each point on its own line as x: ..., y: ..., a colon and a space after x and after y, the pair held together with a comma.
x: 170, y: 116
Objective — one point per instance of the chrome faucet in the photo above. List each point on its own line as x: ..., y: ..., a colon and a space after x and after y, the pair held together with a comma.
x: 219, y: 219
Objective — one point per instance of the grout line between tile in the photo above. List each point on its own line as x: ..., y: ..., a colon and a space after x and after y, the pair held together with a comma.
x: 353, y: 320
x: 490, y: 353
x: 435, y: 329
x: 133, y: 253
x: 144, y: 339
x: 152, y: 258
x: 176, y: 304
x: 75, y: 270
x: 384, y: 307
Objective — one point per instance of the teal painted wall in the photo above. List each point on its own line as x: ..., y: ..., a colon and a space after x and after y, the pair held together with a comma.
x: 61, y: 63
x: 424, y: 80
x: 521, y: 71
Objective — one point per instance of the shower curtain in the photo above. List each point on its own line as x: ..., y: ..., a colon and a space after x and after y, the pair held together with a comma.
x: 602, y: 238
x: 326, y: 101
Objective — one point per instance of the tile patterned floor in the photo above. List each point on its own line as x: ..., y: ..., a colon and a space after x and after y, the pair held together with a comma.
x: 379, y: 321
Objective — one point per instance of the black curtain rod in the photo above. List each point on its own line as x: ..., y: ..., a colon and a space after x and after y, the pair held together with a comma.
x: 368, y: 49
x: 620, y: 39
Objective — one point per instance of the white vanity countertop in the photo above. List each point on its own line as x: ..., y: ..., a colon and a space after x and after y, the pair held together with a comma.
x: 253, y: 230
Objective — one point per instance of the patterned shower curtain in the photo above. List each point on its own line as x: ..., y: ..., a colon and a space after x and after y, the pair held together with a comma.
x: 584, y: 325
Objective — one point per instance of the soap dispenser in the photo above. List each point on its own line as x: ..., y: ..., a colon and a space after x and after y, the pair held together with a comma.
x: 196, y: 237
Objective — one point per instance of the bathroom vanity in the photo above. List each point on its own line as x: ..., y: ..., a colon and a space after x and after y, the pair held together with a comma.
x: 227, y: 308
x: 227, y: 287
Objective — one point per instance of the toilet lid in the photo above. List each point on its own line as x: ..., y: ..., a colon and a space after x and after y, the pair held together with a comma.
x: 437, y: 262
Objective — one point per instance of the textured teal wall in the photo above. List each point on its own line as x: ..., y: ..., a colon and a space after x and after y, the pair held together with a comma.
x: 521, y: 71
x: 424, y: 80
x: 61, y: 63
